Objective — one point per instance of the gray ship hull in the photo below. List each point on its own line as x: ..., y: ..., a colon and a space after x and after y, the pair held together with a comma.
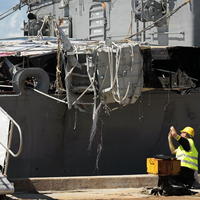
x: 54, y: 147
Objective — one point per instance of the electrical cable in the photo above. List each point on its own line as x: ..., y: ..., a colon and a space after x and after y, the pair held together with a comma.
x: 12, y: 10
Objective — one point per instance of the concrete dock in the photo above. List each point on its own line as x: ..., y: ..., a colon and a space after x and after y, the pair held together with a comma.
x: 129, y: 187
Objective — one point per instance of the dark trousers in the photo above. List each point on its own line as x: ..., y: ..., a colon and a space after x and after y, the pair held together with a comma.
x: 186, y: 176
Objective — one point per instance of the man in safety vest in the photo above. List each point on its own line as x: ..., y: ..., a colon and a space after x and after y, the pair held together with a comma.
x: 186, y: 153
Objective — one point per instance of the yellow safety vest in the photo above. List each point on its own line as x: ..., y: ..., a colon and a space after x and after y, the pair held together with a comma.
x: 188, y: 158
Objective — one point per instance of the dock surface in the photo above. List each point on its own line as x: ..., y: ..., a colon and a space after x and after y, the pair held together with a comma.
x: 130, y: 187
x: 99, y: 194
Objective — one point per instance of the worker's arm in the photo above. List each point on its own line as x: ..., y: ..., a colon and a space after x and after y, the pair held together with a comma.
x: 174, y: 134
x: 182, y: 141
x: 171, y: 145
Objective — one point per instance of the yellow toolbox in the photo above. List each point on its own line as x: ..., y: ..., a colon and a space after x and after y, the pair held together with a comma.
x: 163, y: 167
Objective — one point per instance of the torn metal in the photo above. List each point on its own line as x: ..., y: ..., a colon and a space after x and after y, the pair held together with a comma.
x: 114, y: 72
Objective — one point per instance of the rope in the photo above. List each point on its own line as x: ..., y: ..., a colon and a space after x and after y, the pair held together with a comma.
x: 163, y: 17
x: 40, y: 35
x: 70, y: 72
x: 94, y: 125
x: 46, y: 95
x: 114, y: 76
x: 6, y: 86
x: 54, y: 98
x: 58, y: 81
x: 131, y: 25
x: 92, y: 80
x: 116, y: 94
x: 82, y: 94
x: 128, y: 88
x: 118, y: 58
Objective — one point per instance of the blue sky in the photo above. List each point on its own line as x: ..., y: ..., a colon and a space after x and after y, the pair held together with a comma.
x: 11, y: 25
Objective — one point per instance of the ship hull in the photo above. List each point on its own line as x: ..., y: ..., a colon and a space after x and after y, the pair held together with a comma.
x: 56, y: 139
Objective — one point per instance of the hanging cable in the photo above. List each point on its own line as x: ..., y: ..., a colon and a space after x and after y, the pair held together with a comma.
x: 12, y: 10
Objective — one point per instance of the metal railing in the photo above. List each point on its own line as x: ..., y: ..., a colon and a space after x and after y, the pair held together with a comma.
x: 10, y: 136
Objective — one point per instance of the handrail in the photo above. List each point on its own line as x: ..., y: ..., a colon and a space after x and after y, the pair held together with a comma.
x: 20, y: 136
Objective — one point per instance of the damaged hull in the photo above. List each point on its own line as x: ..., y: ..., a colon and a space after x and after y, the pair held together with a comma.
x: 56, y: 140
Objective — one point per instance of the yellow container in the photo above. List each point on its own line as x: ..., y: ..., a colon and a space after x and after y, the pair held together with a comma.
x: 163, y: 167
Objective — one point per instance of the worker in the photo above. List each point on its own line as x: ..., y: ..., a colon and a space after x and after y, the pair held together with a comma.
x: 186, y: 153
